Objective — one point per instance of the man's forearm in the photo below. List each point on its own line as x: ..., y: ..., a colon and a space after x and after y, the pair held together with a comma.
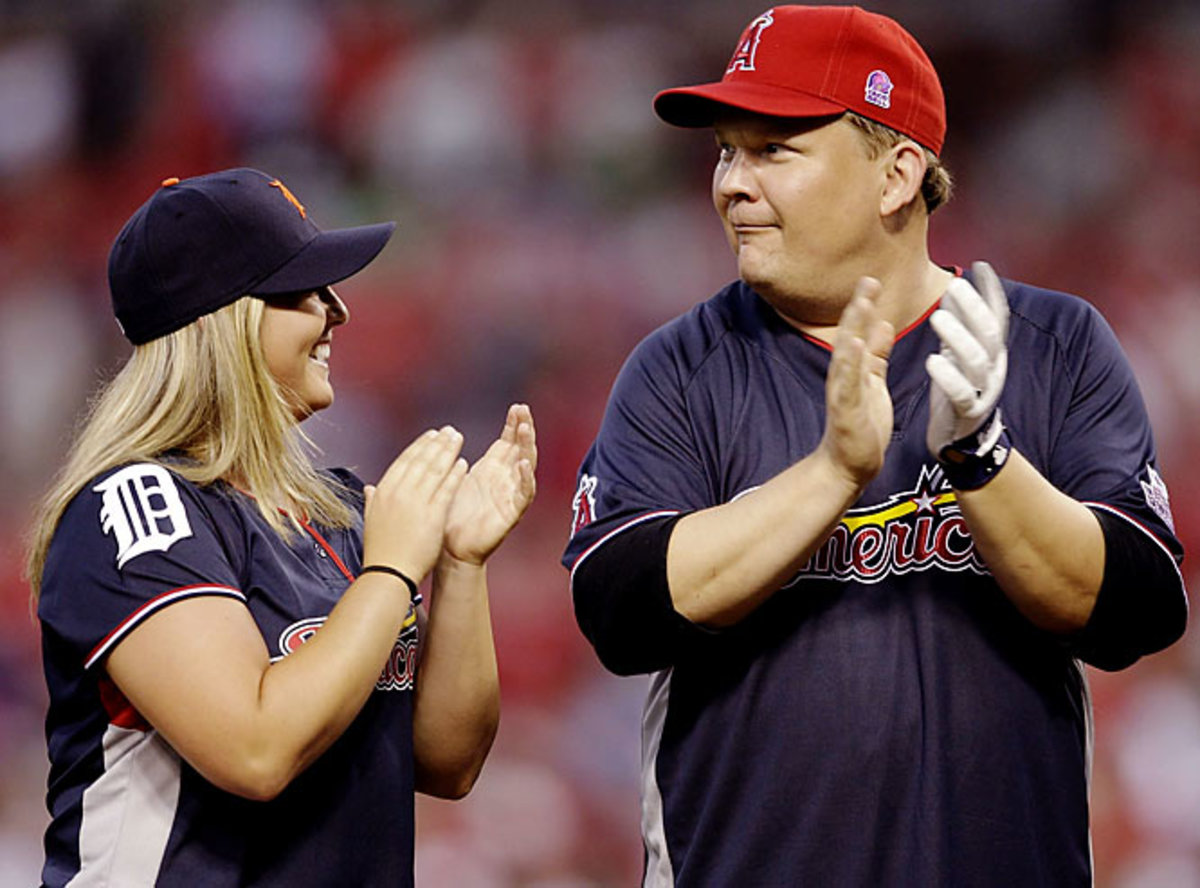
x: 1045, y: 549
x: 723, y: 562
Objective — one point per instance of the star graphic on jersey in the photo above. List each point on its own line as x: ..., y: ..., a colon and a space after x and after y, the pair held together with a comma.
x: 924, y: 501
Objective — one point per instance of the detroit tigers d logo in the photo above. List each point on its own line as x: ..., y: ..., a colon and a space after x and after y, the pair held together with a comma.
x: 142, y: 509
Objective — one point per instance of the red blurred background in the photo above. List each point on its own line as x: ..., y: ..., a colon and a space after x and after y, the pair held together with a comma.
x: 547, y: 222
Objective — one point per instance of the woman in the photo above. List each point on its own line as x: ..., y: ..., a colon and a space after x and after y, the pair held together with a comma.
x: 244, y: 687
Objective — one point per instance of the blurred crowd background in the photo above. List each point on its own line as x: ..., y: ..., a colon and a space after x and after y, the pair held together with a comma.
x: 548, y: 221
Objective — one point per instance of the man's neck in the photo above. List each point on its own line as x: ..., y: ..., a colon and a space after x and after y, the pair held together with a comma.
x: 908, y: 294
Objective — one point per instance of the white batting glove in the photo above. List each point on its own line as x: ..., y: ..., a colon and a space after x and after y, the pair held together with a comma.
x: 967, y: 377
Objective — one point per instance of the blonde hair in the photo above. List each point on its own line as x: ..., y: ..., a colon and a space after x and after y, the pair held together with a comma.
x: 204, y: 398
x: 937, y: 186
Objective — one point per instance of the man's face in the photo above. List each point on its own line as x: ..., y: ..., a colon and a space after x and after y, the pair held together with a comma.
x: 800, y: 202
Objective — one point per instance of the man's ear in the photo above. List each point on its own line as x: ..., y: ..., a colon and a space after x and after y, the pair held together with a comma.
x: 904, y: 171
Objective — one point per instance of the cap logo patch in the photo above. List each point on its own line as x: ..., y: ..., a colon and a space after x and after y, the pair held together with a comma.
x: 879, y: 89
x: 743, y: 57
x: 291, y: 198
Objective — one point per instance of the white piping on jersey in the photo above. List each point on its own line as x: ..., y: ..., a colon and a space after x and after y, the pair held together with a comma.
x: 661, y: 513
x: 153, y: 605
x: 1148, y: 532
x: 659, y: 873
x: 1089, y: 736
x: 128, y: 812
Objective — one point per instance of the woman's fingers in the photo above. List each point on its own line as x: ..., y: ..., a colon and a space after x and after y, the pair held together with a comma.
x: 425, y: 462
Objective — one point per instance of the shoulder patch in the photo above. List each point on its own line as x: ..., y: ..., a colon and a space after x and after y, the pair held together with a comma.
x: 1157, y: 498
x: 584, y: 503
x: 142, y: 509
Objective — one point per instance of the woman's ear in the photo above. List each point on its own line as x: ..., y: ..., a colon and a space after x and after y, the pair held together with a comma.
x: 904, y: 171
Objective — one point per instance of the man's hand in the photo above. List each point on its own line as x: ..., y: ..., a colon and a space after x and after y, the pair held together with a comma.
x: 968, y: 375
x: 858, y: 406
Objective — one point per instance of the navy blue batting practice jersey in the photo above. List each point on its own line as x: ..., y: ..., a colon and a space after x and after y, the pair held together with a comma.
x: 888, y: 718
x: 126, y: 810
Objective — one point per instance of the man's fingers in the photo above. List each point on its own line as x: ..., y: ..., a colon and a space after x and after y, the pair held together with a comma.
x: 975, y: 314
x: 961, y: 347
x: 859, y: 314
x: 967, y: 400
x: 993, y: 294
x: 879, y: 343
x: 947, y: 377
x: 858, y: 330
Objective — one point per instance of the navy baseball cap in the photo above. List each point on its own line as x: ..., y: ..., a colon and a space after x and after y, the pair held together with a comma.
x: 199, y: 244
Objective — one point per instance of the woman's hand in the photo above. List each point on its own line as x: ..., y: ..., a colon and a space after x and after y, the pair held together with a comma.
x: 405, y: 513
x: 495, y: 493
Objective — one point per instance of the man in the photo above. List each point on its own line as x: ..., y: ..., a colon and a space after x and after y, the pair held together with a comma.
x: 863, y: 567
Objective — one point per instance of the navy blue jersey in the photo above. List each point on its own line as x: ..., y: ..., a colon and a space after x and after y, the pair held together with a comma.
x: 888, y: 717
x: 125, y: 808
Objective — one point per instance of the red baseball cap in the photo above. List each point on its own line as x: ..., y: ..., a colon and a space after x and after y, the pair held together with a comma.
x: 812, y: 61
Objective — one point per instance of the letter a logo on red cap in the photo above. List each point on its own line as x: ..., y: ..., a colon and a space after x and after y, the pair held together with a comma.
x: 743, y: 57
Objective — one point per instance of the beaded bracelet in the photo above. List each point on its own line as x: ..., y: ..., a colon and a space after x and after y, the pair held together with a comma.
x: 400, y: 575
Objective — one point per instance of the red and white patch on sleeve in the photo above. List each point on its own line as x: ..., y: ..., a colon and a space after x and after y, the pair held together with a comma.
x: 584, y: 503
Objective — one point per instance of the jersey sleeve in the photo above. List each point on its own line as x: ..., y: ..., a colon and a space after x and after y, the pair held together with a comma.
x: 132, y: 542
x: 643, y: 471
x: 645, y: 461
x: 1104, y: 456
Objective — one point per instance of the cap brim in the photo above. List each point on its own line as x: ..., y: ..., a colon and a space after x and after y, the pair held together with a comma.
x: 329, y: 257
x: 695, y: 106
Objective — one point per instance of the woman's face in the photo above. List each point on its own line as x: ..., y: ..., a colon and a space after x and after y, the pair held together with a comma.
x: 297, y: 334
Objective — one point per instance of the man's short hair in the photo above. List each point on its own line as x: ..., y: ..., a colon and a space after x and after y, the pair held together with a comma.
x: 936, y: 187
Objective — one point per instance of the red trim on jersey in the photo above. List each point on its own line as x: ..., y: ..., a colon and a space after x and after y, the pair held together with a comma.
x: 828, y: 346
x: 329, y: 549
x: 120, y: 711
x: 958, y: 272
x: 320, y: 540
x: 154, y: 604
x: 918, y: 322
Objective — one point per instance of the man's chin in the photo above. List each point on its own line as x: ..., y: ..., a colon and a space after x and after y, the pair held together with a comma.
x: 754, y: 277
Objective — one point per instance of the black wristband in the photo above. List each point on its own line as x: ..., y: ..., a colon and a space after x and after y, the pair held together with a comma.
x: 973, y: 461
x: 400, y: 575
